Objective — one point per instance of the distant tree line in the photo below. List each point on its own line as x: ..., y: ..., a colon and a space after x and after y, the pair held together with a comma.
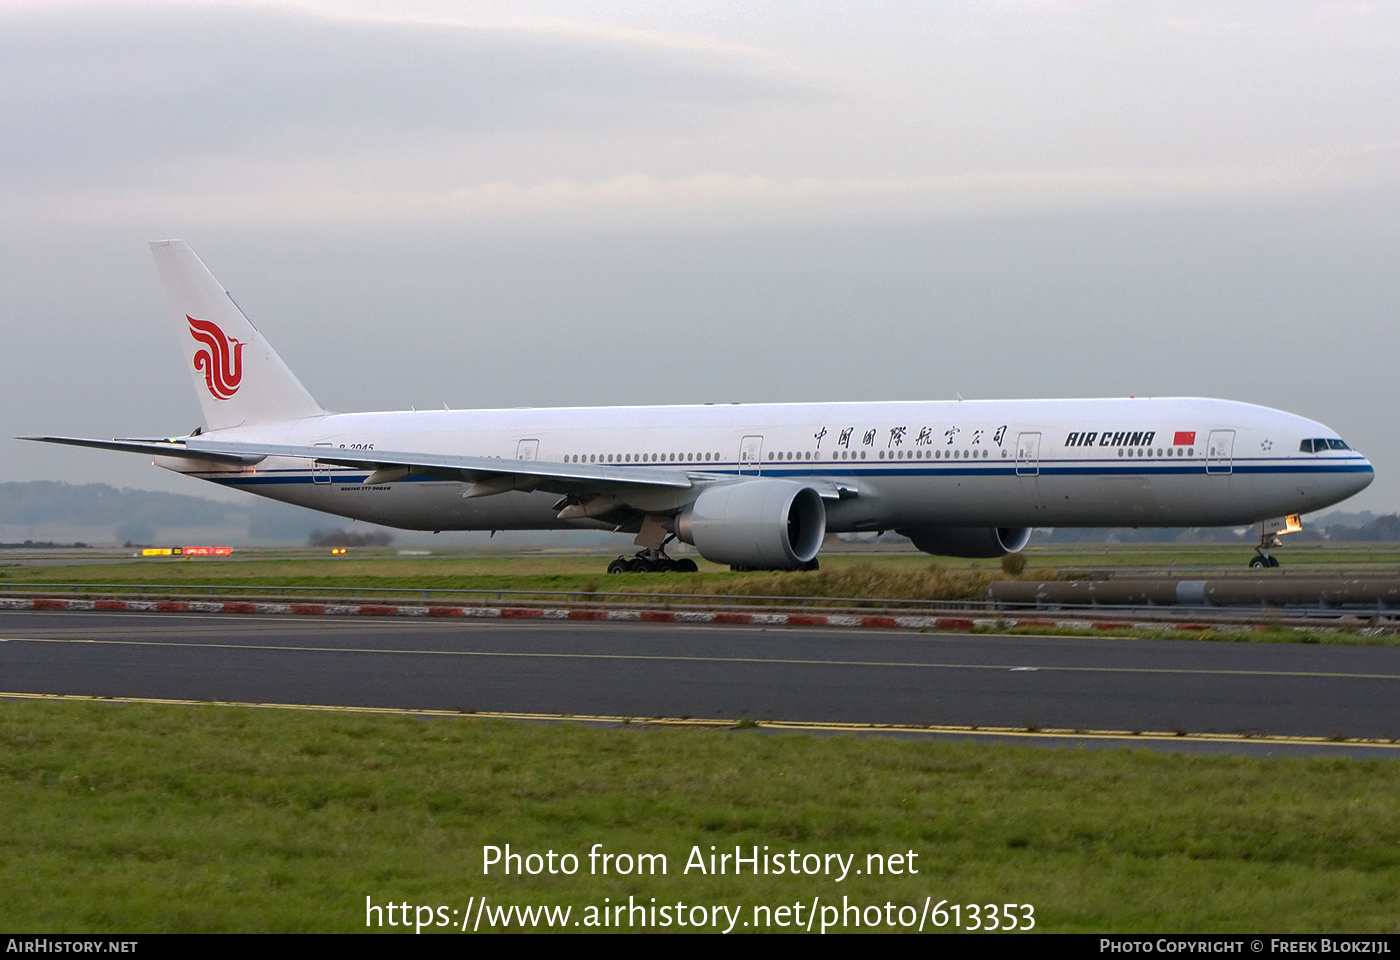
x: 350, y: 538
x: 1386, y: 527
x: 135, y: 515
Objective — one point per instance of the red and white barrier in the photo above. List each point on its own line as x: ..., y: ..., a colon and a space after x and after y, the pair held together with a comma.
x: 722, y: 617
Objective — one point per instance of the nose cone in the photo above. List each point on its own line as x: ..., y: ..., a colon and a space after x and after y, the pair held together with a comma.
x: 1330, y: 471
x: 1345, y: 477
x: 1362, y: 477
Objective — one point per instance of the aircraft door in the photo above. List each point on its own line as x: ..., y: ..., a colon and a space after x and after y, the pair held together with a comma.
x: 751, y: 456
x: 1220, y: 451
x: 527, y: 450
x: 1028, y: 455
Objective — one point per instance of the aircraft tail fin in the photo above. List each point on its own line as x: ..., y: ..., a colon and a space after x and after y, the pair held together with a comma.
x: 238, y: 377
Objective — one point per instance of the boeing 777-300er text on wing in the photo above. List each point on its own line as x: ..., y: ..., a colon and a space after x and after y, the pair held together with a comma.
x: 750, y: 485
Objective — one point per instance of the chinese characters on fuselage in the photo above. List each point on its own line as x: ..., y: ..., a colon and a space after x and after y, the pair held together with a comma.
x: 898, y: 435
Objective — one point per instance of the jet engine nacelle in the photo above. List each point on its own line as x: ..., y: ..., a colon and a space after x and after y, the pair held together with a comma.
x: 975, y: 542
x: 759, y: 523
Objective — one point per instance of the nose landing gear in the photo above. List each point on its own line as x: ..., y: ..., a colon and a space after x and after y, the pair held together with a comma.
x: 1262, y: 557
x: 1269, y: 531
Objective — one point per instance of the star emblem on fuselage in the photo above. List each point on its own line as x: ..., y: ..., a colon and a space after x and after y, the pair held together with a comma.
x: 1266, y: 446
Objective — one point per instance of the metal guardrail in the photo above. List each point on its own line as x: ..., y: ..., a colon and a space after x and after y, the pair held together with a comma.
x: 1238, y: 614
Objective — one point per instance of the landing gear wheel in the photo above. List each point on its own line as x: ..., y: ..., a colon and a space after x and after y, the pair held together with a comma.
x: 1262, y: 557
x: 652, y: 561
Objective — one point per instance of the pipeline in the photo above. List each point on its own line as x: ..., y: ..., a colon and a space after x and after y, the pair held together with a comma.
x: 1370, y: 592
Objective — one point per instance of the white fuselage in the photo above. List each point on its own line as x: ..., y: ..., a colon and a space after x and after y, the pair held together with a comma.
x: 1009, y: 463
x: 756, y: 486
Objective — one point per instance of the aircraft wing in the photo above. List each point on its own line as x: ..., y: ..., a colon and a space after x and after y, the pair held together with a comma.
x: 487, y: 472
x: 158, y: 448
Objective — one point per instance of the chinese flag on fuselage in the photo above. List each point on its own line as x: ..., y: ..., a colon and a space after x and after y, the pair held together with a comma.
x: 1184, y: 438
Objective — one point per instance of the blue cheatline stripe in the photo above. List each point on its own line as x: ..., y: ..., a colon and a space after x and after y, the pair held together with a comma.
x: 862, y: 469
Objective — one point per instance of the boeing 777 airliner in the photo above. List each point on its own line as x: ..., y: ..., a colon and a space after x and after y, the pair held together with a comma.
x: 750, y: 485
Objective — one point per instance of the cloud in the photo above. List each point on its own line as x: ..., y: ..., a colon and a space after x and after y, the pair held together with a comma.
x: 641, y: 197
x: 111, y: 95
x: 219, y: 115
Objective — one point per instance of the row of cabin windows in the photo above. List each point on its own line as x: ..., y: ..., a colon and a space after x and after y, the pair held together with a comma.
x: 1170, y: 452
x: 641, y: 458
x: 937, y: 454
x: 1315, y: 445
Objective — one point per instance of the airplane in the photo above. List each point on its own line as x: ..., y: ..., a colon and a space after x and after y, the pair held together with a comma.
x: 754, y: 486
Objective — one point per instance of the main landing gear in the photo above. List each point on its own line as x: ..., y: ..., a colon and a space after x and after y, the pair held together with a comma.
x: 652, y: 561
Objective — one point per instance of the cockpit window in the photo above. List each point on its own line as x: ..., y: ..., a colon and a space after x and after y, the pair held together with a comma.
x: 1320, y: 444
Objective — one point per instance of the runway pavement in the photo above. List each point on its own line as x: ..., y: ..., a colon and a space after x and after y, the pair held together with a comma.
x: 1218, y: 695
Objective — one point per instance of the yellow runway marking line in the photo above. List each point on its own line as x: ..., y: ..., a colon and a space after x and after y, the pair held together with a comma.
x: 776, y: 661
x: 716, y: 723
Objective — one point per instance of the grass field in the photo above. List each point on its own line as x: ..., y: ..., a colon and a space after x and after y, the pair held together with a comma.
x: 884, y: 575
x: 144, y: 818
x: 130, y: 818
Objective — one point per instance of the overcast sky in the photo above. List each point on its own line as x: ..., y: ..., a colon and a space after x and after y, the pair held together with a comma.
x: 534, y: 203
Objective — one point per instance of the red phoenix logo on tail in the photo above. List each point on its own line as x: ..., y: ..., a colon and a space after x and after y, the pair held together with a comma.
x: 220, y: 359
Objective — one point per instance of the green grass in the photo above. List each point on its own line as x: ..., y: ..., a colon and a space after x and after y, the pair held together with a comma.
x: 894, y: 577
x: 902, y: 576
x: 898, y: 573
x: 524, y: 578
x: 161, y: 818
